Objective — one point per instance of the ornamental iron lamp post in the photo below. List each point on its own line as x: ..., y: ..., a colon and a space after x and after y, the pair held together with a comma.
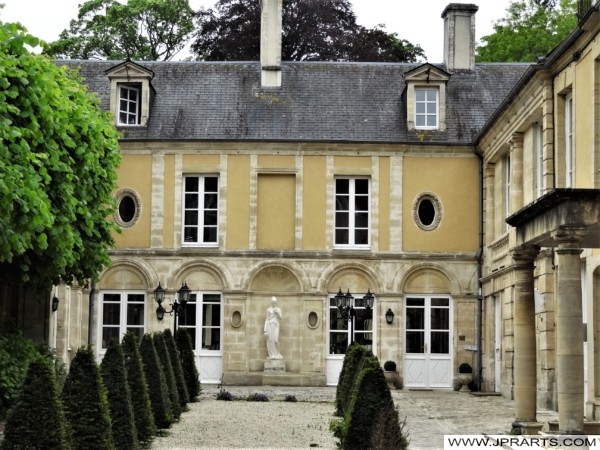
x: 177, y: 307
x: 346, y: 303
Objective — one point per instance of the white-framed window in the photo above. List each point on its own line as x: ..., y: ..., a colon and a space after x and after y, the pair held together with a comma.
x: 200, y: 210
x: 121, y: 311
x: 342, y: 332
x: 539, y: 155
x: 352, y: 212
x: 130, y: 104
x: 202, y: 318
x: 569, y: 143
x: 426, y: 108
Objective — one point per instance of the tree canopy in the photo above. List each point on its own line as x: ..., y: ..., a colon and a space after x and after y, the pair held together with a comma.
x: 313, y: 30
x: 58, y: 162
x: 531, y: 29
x: 149, y: 30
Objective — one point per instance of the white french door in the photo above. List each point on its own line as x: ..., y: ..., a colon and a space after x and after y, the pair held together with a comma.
x: 428, y: 339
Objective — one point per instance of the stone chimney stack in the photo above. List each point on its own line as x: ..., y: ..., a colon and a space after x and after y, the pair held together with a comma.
x: 270, y: 43
x: 459, y: 36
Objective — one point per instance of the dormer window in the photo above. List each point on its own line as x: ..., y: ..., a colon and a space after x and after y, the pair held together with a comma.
x: 426, y: 98
x: 129, y: 104
x: 131, y: 94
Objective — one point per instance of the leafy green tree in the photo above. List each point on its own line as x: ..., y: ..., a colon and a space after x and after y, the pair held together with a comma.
x: 86, y: 403
x: 136, y: 379
x: 167, y: 368
x: 139, y: 29
x: 188, y: 363
x: 157, y: 384
x: 58, y: 161
x: 37, y: 420
x: 119, y: 398
x: 313, y: 30
x: 184, y: 397
x: 531, y: 29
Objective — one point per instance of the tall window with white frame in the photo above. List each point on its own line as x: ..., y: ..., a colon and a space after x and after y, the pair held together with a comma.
x: 121, y: 311
x: 426, y: 108
x: 200, y: 210
x: 569, y: 143
x: 352, y: 212
x: 130, y: 104
x: 343, y: 332
x: 202, y: 320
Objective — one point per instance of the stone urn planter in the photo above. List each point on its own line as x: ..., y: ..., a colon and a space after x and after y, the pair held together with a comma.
x: 464, y: 377
x: 393, y: 378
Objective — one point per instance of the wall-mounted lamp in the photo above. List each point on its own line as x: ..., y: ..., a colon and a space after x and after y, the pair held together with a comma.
x: 54, y: 303
x: 389, y: 316
x: 177, y: 307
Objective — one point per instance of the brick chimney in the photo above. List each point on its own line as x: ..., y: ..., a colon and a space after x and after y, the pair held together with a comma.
x: 270, y: 43
x: 459, y: 36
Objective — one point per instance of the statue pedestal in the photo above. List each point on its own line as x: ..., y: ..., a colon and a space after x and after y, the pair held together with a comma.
x: 274, y: 366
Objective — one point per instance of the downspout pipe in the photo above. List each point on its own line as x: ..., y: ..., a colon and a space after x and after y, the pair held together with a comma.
x: 91, y: 312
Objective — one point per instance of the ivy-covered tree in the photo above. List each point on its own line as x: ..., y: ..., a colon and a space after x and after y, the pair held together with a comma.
x: 86, y: 403
x: 149, y: 30
x: 119, y: 398
x: 313, y: 30
x: 530, y: 30
x: 167, y: 368
x: 157, y: 384
x: 37, y: 420
x: 184, y: 397
x: 138, y: 387
x: 188, y: 363
x: 58, y: 160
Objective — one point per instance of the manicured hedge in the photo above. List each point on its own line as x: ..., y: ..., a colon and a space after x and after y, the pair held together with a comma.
x: 37, y: 420
x: 140, y: 398
x: 119, y: 398
x: 188, y: 363
x: 157, y: 384
x: 165, y: 362
x: 184, y: 397
x: 86, y: 404
x: 350, y: 369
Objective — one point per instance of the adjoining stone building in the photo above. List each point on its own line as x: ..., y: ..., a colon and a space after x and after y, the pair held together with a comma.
x: 248, y: 180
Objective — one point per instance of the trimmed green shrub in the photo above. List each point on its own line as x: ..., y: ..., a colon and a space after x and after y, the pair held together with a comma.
x: 188, y: 363
x: 465, y: 368
x: 370, y: 396
x: 388, y: 431
x: 37, y: 420
x: 140, y: 399
x: 184, y: 398
x: 157, y: 385
x: 16, y: 352
x: 167, y: 368
x: 350, y: 369
x: 390, y: 366
x: 112, y: 368
x: 86, y: 404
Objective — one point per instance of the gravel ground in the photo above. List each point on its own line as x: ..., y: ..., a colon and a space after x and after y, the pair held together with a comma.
x: 276, y: 424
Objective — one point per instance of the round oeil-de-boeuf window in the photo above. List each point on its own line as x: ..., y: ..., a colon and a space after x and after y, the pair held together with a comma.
x: 128, y: 208
x: 427, y: 211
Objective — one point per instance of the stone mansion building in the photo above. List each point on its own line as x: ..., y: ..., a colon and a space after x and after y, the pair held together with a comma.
x: 464, y: 197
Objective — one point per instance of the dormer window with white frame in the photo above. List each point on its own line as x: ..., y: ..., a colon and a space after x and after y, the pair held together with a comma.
x: 131, y: 94
x: 426, y: 98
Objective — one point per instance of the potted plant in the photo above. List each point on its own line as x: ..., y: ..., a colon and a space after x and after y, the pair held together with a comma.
x: 392, y: 376
x: 465, y: 376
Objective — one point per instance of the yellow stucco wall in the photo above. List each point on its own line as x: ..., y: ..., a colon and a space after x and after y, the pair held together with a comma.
x: 238, y: 201
x: 314, y: 232
x: 135, y: 173
x: 276, y: 212
x: 455, y: 183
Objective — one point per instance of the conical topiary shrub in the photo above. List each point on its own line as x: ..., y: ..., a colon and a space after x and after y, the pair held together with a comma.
x: 157, y: 385
x: 370, y: 396
x: 184, y: 398
x: 188, y: 363
x: 112, y: 369
x: 37, y: 419
x: 138, y: 387
x: 165, y: 362
x: 350, y: 369
x: 86, y: 405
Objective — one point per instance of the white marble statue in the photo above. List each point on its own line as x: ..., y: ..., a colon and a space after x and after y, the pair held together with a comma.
x: 272, y: 330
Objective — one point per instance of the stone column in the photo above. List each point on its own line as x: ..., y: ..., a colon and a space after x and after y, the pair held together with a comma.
x: 489, y: 170
x: 516, y: 175
x: 524, y: 335
x: 569, y: 331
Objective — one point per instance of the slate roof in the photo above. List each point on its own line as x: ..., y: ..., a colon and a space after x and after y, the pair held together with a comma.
x: 318, y: 101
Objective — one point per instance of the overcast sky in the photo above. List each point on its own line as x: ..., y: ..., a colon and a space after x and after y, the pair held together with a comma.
x: 419, y: 22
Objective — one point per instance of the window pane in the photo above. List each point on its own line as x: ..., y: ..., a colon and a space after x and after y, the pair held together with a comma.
x: 211, y: 339
x: 361, y: 220
x: 415, y: 342
x: 210, y: 217
x: 440, y: 302
x: 412, y: 301
x: 191, y: 184
x: 361, y: 186
x: 440, y: 319
x: 210, y: 201
x: 133, y: 94
x: 342, y: 203
x: 191, y: 218
x: 135, y: 314
x: 420, y: 122
x: 211, y: 315
x: 341, y: 236
x: 338, y: 343
x: 420, y: 108
x: 431, y: 121
x: 361, y: 237
x: 342, y: 186
x: 136, y: 298
x: 342, y: 219
x: 110, y: 334
x: 111, y: 313
x: 431, y: 95
x: 420, y: 94
x: 431, y: 108
x: 191, y: 201
x: 211, y: 184
x: 210, y: 234
x: 415, y: 318
x: 191, y: 234
x: 440, y: 342
x: 361, y: 203
x: 189, y: 315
